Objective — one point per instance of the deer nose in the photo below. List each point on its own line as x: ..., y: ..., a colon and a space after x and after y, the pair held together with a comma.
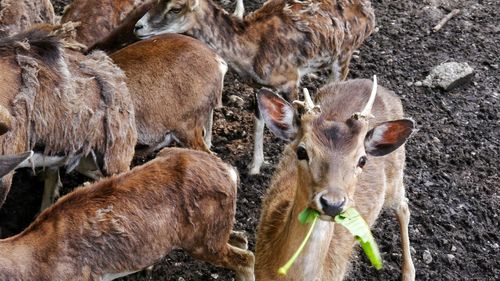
x: 138, y: 27
x: 331, y: 208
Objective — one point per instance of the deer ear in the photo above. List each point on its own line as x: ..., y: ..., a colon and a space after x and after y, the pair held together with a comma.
x: 279, y: 115
x: 388, y: 136
x: 9, y: 162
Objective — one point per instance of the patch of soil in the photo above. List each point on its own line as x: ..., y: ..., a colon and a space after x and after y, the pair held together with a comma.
x: 452, y: 168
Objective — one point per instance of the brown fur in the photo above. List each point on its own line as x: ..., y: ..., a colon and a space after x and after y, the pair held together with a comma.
x: 295, y: 183
x: 123, y: 35
x: 181, y: 200
x: 270, y: 45
x: 175, y: 83
x: 99, y: 18
x: 64, y: 103
x: 5, y: 120
x: 20, y: 15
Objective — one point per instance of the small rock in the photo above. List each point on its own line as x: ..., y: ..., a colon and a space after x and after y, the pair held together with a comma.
x: 409, y: 84
x: 214, y: 275
x: 235, y: 100
x: 181, y: 279
x: 427, y: 257
x: 450, y: 257
x: 453, y: 248
x: 449, y: 75
x: 418, y: 84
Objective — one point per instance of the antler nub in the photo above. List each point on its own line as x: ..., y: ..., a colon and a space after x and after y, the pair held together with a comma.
x: 366, y: 112
x: 308, y: 103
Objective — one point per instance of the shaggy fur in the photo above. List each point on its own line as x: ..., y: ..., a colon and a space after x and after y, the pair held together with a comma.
x: 181, y: 200
x: 19, y: 15
x: 64, y: 103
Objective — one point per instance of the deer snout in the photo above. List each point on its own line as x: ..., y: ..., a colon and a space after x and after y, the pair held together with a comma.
x: 330, y: 206
x: 138, y: 26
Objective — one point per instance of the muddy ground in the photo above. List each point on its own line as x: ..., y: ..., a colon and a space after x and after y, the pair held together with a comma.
x: 452, y: 168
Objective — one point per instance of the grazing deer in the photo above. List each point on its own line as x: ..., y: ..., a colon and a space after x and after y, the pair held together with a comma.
x: 183, y: 199
x: 274, y: 46
x: 337, y: 158
x: 175, y: 83
x: 20, y: 15
x: 63, y: 105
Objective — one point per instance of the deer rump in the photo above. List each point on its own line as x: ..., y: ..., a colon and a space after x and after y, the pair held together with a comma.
x: 65, y: 104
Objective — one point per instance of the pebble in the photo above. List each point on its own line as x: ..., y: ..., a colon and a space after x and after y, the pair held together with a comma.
x: 239, y: 102
x: 427, y: 257
x: 418, y: 84
x: 453, y: 248
x: 181, y: 279
x: 450, y: 257
x: 449, y: 75
x: 214, y: 275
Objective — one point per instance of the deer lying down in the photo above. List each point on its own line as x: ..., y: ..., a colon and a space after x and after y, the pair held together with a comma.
x: 337, y: 158
x: 175, y: 82
x: 64, y: 106
x: 275, y: 45
x: 114, y: 35
x: 98, y: 18
x: 20, y: 15
x: 183, y: 199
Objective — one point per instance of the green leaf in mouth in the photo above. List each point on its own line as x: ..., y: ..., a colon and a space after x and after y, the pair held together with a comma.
x: 353, y: 222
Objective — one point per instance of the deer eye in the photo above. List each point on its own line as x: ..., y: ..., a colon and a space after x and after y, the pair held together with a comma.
x: 302, y: 153
x: 362, y: 161
x: 175, y: 10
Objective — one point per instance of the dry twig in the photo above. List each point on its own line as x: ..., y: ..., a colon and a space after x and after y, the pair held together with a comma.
x: 444, y: 20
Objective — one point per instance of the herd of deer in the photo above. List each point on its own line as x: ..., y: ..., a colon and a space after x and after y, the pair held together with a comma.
x: 78, y: 92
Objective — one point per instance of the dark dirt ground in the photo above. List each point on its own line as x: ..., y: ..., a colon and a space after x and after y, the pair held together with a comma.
x: 452, y: 169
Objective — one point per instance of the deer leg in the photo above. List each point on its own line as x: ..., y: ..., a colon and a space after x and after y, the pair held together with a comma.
x: 52, y: 183
x: 208, y: 129
x: 231, y: 257
x: 258, y: 146
x: 403, y: 214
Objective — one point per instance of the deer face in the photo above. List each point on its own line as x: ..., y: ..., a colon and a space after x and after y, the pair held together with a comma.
x: 330, y: 155
x: 168, y: 16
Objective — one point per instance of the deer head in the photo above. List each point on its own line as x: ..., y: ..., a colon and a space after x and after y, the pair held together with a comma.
x: 330, y: 154
x: 168, y: 16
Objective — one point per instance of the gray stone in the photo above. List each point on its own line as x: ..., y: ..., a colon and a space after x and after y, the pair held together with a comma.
x: 427, y: 257
x: 449, y: 75
x: 237, y: 101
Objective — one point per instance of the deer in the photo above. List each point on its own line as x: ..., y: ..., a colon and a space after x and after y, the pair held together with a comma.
x: 274, y: 46
x: 115, y: 21
x: 346, y: 149
x: 64, y: 106
x: 99, y: 18
x: 182, y: 199
x: 20, y: 15
x: 175, y: 83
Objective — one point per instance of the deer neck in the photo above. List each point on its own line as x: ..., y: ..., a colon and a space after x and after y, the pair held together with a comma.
x: 225, y: 34
x: 309, y: 265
